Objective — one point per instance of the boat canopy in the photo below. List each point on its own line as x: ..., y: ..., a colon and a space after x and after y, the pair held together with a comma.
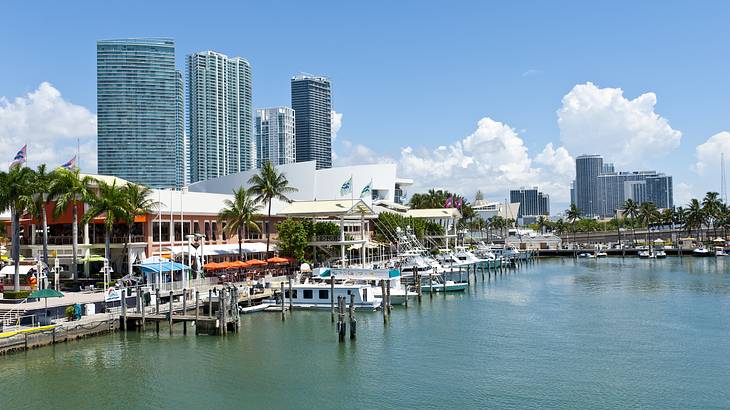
x: 363, y: 274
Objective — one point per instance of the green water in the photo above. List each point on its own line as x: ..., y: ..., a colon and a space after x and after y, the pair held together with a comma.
x: 607, y: 333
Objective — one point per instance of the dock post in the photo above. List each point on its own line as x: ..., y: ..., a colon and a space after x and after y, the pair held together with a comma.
x: 481, y: 268
x: 383, y: 303
x: 169, y: 314
x: 430, y: 285
x: 137, y: 299
x: 142, y: 307
x: 185, y: 310
x: 197, y: 310
x: 353, y: 321
x: 124, y: 309
x: 283, y: 302
x: 332, y: 297
x: 157, y: 301
x: 390, y: 306
x: 291, y: 307
x: 210, y: 303
x: 341, y: 318
x: 406, y: 299
x: 238, y: 312
x: 419, y: 291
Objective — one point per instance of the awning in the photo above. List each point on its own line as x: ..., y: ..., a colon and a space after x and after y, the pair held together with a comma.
x: 162, y: 267
x: 10, y: 270
x: 224, y: 249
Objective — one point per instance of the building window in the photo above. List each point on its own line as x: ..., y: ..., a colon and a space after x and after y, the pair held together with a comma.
x: 324, y: 294
x: 223, y: 231
x: 215, y: 231
x: 196, y: 227
x: 307, y: 294
x: 156, y: 231
x: 207, y: 230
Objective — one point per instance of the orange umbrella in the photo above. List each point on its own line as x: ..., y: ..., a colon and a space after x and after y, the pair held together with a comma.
x: 212, y: 266
x: 239, y: 264
x: 256, y: 262
x: 277, y: 259
x: 227, y: 265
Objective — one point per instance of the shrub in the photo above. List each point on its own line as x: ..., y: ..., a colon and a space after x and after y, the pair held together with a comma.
x: 13, y: 294
x: 70, y: 313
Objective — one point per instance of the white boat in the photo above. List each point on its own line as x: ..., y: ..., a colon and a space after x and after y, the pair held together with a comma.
x: 437, y: 284
x: 601, y: 254
x: 586, y: 255
x: 660, y: 254
x: 702, y: 251
x: 368, y: 277
x: 720, y: 251
x: 316, y: 295
x: 647, y: 254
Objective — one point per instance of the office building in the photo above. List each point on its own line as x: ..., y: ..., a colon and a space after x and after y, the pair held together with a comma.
x: 659, y: 190
x: 220, y: 115
x: 140, y: 128
x: 533, y: 203
x: 311, y: 99
x: 587, y: 169
x: 275, y: 136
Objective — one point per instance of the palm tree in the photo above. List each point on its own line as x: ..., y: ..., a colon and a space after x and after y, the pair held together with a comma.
x: 631, y: 209
x: 711, y: 205
x: 110, y: 201
x: 694, y: 217
x: 69, y: 188
x: 648, y: 214
x: 41, y: 188
x: 138, y: 204
x: 268, y: 184
x: 16, y: 195
x: 239, y: 215
x: 542, y: 223
x: 573, y: 215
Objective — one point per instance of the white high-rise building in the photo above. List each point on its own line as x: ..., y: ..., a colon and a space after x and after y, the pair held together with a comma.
x: 275, y: 136
x: 220, y: 115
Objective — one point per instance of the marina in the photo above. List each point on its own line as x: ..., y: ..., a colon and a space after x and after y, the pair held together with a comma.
x: 524, y: 338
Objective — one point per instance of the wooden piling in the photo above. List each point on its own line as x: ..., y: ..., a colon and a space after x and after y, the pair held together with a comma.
x: 142, y: 307
x: 341, y: 318
x: 353, y: 322
x: 405, y: 304
x: 222, y: 311
x: 419, y: 291
x: 197, y: 309
x: 430, y: 285
x: 283, y: 302
x: 124, y: 310
x: 210, y: 302
x: 185, y: 310
x: 383, y: 303
x: 332, y: 297
x: 169, y: 317
x: 291, y: 304
x: 157, y: 301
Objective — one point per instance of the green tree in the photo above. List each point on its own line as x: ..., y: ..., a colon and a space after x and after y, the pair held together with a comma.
x: 648, y: 214
x: 293, y: 238
x: 16, y: 195
x: 694, y: 216
x: 239, y: 215
x: 41, y: 187
x: 270, y: 184
x: 573, y: 215
x: 542, y: 223
x: 631, y: 209
x: 711, y: 206
x: 70, y: 188
x: 112, y: 202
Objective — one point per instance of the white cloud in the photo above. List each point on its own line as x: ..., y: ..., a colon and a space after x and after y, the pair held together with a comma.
x: 336, y: 123
x: 357, y: 154
x: 683, y: 193
x: 50, y: 126
x: 531, y: 72
x: 708, y: 153
x: 627, y: 132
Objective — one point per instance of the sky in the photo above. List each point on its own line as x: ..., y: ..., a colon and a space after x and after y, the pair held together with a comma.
x: 461, y: 95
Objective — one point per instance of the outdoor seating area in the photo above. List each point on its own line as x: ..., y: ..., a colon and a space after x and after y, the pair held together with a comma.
x: 250, y: 269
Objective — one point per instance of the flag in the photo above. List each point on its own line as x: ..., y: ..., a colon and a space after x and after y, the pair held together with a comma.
x: 449, y: 202
x: 20, y: 157
x: 346, y: 188
x: 458, y: 203
x: 367, y: 189
x: 71, y: 164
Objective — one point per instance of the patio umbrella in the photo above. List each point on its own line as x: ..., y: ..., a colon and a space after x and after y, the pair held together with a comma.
x: 256, y: 262
x: 277, y: 259
x: 212, y: 266
x: 239, y: 264
x: 45, y: 294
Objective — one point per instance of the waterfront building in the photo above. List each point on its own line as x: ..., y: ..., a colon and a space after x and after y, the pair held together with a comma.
x: 311, y: 99
x: 275, y: 136
x: 140, y: 112
x: 587, y: 169
x: 220, y: 115
x: 533, y: 203
x: 640, y: 186
x: 659, y: 190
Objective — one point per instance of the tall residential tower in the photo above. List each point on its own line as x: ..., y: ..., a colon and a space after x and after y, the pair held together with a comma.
x: 311, y: 99
x: 275, y: 136
x: 140, y: 128
x: 587, y: 169
x: 220, y: 115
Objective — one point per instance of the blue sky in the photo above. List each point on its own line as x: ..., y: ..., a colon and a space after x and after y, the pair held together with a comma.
x: 422, y: 75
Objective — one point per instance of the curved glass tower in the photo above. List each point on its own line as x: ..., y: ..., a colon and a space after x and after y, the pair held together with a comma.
x: 140, y: 112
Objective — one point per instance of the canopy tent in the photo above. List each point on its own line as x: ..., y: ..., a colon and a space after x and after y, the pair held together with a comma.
x: 256, y: 262
x: 166, y: 266
x: 10, y: 269
x: 278, y: 259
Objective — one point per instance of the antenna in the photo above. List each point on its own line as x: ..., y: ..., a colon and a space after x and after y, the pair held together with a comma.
x: 723, y: 180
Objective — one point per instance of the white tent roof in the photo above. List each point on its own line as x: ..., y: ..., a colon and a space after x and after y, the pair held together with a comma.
x: 10, y: 270
x: 336, y: 207
x: 434, y: 213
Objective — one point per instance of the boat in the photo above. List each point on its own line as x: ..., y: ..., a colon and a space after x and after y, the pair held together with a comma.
x: 316, y: 295
x: 586, y: 255
x: 601, y: 254
x: 660, y: 254
x: 720, y: 251
x: 702, y: 252
x: 437, y: 284
x: 644, y: 254
x: 369, y: 277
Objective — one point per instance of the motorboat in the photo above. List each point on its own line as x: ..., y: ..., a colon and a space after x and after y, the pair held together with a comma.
x: 438, y: 284
x: 645, y: 254
x: 720, y: 251
x: 586, y: 255
x: 702, y: 251
x: 660, y: 254
x: 373, y: 278
x: 601, y: 254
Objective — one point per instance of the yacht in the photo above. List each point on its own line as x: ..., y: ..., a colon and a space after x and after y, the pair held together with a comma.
x: 647, y: 254
x: 438, y: 284
x: 720, y: 251
x: 371, y: 278
x: 316, y: 295
x: 660, y: 254
x: 702, y: 251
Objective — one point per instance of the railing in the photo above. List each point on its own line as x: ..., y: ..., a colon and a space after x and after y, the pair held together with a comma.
x: 333, y: 238
x: 192, y: 283
x: 13, y: 315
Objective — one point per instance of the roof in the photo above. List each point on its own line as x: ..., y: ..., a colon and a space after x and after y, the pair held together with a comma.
x: 335, y: 207
x: 107, y: 179
x: 434, y: 213
x: 222, y: 249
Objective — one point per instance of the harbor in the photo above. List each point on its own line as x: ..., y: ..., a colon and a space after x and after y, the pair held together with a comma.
x: 560, y: 333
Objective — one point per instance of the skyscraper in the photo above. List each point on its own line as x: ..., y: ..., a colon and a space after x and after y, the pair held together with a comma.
x: 220, y: 115
x: 275, y: 136
x: 140, y: 132
x: 311, y: 99
x: 532, y: 202
x: 587, y: 169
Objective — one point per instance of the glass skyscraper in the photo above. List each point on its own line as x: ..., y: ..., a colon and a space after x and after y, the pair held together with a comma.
x: 140, y: 128
x: 275, y: 136
x: 587, y: 169
x: 220, y: 115
x: 311, y: 99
